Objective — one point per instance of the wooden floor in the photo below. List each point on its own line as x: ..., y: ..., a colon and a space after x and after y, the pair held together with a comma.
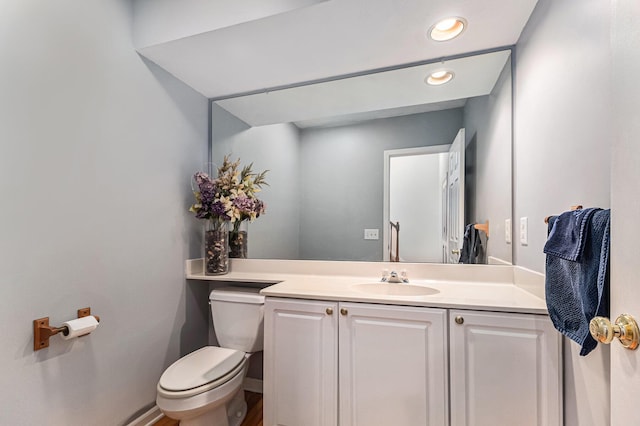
x: 253, y: 418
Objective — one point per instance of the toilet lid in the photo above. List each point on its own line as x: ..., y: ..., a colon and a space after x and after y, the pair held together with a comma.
x: 200, y: 367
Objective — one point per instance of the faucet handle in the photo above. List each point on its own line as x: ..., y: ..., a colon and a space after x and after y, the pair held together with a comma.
x: 385, y: 275
x: 404, y: 275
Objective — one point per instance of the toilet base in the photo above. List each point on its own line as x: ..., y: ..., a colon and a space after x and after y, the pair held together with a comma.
x: 230, y: 414
x: 237, y: 409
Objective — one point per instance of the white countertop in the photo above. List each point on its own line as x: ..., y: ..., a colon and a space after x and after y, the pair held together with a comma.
x: 478, y: 287
x: 460, y: 295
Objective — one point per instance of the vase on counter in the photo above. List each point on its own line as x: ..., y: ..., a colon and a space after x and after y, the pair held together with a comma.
x: 238, y: 240
x: 216, y: 248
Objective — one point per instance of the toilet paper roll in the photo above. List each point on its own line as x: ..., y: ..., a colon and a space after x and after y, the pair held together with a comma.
x: 79, y: 327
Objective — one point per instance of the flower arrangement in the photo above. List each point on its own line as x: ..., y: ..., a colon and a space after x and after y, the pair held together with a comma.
x: 231, y: 197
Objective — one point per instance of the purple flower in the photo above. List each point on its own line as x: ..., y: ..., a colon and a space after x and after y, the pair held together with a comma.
x: 260, y: 207
x: 218, y: 210
x: 244, y: 204
x: 206, y: 187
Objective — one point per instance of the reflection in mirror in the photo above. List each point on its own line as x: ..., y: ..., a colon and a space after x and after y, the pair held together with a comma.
x: 325, y: 145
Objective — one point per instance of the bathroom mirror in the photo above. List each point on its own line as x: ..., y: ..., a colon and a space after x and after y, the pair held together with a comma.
x: 325, y: 145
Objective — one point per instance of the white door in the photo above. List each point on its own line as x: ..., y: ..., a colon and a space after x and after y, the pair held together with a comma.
x: 419, y: 211
x: 625, y: 206
x: 505, y: 369
x: 300, y: 363
x: 445, y: 233
x: 393, y: 365
x: 455, y: 198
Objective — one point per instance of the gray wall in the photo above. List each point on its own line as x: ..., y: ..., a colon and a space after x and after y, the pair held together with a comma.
x: 275, y: 234
x: 562, y: 154
x: 562, y: 116
x: 97, y: 152
x: 487, y: 123
x: 341, y: 173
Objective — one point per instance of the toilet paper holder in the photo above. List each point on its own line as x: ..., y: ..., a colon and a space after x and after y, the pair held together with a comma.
x: 42, y: 331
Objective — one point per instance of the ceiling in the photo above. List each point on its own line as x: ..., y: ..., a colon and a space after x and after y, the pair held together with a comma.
x: 303, y: 40
x: 378, y: 95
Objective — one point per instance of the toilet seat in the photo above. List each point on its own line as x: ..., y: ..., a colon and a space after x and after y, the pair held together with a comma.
x: 200, y: 371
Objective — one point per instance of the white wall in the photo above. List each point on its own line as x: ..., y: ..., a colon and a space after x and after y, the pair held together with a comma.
x: 275, y: 234
x: 562, y: 129
x: 97, y: 148
x: 487, y: 122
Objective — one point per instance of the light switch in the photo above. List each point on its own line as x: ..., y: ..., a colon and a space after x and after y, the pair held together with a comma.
x: 507, y: 231
x: 371, y: 234
x: 524, y: 231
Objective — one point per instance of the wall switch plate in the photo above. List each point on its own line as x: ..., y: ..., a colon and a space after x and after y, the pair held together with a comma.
x: 524, y: 231
x: 371, y: 234
x: 507, y: 231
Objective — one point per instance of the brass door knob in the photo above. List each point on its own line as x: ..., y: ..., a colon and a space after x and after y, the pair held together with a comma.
x: 455, y: 251
x: 344, y: 311
x: 329, y: 311
x: 625, y: 329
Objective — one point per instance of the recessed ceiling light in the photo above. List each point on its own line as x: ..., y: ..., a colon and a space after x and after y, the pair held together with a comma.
x: 447, y: 28
x: 437, y: 78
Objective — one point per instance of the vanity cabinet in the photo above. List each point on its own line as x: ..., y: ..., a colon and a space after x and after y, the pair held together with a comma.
x: 504, y: 369
x: 300, y: 363
x: 354, y: 364
x: 329, y: 363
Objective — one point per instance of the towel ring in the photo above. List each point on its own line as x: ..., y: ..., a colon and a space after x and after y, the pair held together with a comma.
x: 576, y: 207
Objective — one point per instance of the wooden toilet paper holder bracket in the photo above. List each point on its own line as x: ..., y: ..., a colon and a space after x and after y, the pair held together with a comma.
x: 42, y: 331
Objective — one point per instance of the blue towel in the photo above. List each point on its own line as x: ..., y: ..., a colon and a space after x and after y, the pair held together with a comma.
x: 568, y: 234
x: 472, y: 248
x: 577, y: 272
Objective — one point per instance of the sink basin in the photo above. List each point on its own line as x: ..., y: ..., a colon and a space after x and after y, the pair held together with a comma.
x: 392, y: 289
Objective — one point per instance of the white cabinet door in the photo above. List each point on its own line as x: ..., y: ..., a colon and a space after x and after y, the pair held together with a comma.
x: 393, y: 365
x: 300, y: 363
x: 505, y: 370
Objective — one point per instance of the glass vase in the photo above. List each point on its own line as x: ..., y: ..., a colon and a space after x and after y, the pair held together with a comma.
x: 239, y: 241
x: 216, y: 248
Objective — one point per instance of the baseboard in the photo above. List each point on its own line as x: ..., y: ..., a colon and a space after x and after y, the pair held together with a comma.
x: 148, y: 418
x: 252, y: 385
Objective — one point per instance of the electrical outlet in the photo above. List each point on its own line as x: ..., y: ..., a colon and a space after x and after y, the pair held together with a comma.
x: 371, y: 234
x: 524, y: 231
x: 507, y: 231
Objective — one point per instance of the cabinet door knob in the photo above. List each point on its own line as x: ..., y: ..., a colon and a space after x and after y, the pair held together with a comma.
x: 625, y: 329
x: 329, y: 311
x: 344, y: 311
x: 455, y: 251
x: 459, y: 320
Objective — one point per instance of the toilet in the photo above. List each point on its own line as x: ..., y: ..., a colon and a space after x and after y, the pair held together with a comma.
x: 205, y: 386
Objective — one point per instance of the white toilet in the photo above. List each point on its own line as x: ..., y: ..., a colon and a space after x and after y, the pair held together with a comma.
x: 205, y: 387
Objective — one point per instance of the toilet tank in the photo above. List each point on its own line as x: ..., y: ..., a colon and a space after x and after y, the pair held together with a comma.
x: 238, y: 314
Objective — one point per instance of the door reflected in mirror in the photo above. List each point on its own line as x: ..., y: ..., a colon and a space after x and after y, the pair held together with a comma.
x: 328, y: 168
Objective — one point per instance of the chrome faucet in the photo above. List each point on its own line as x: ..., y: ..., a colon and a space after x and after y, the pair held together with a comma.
x: 393, y: 277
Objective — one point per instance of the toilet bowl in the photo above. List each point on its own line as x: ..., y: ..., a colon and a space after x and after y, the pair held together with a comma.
x: 196, y: 388
x: 205, y: 386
